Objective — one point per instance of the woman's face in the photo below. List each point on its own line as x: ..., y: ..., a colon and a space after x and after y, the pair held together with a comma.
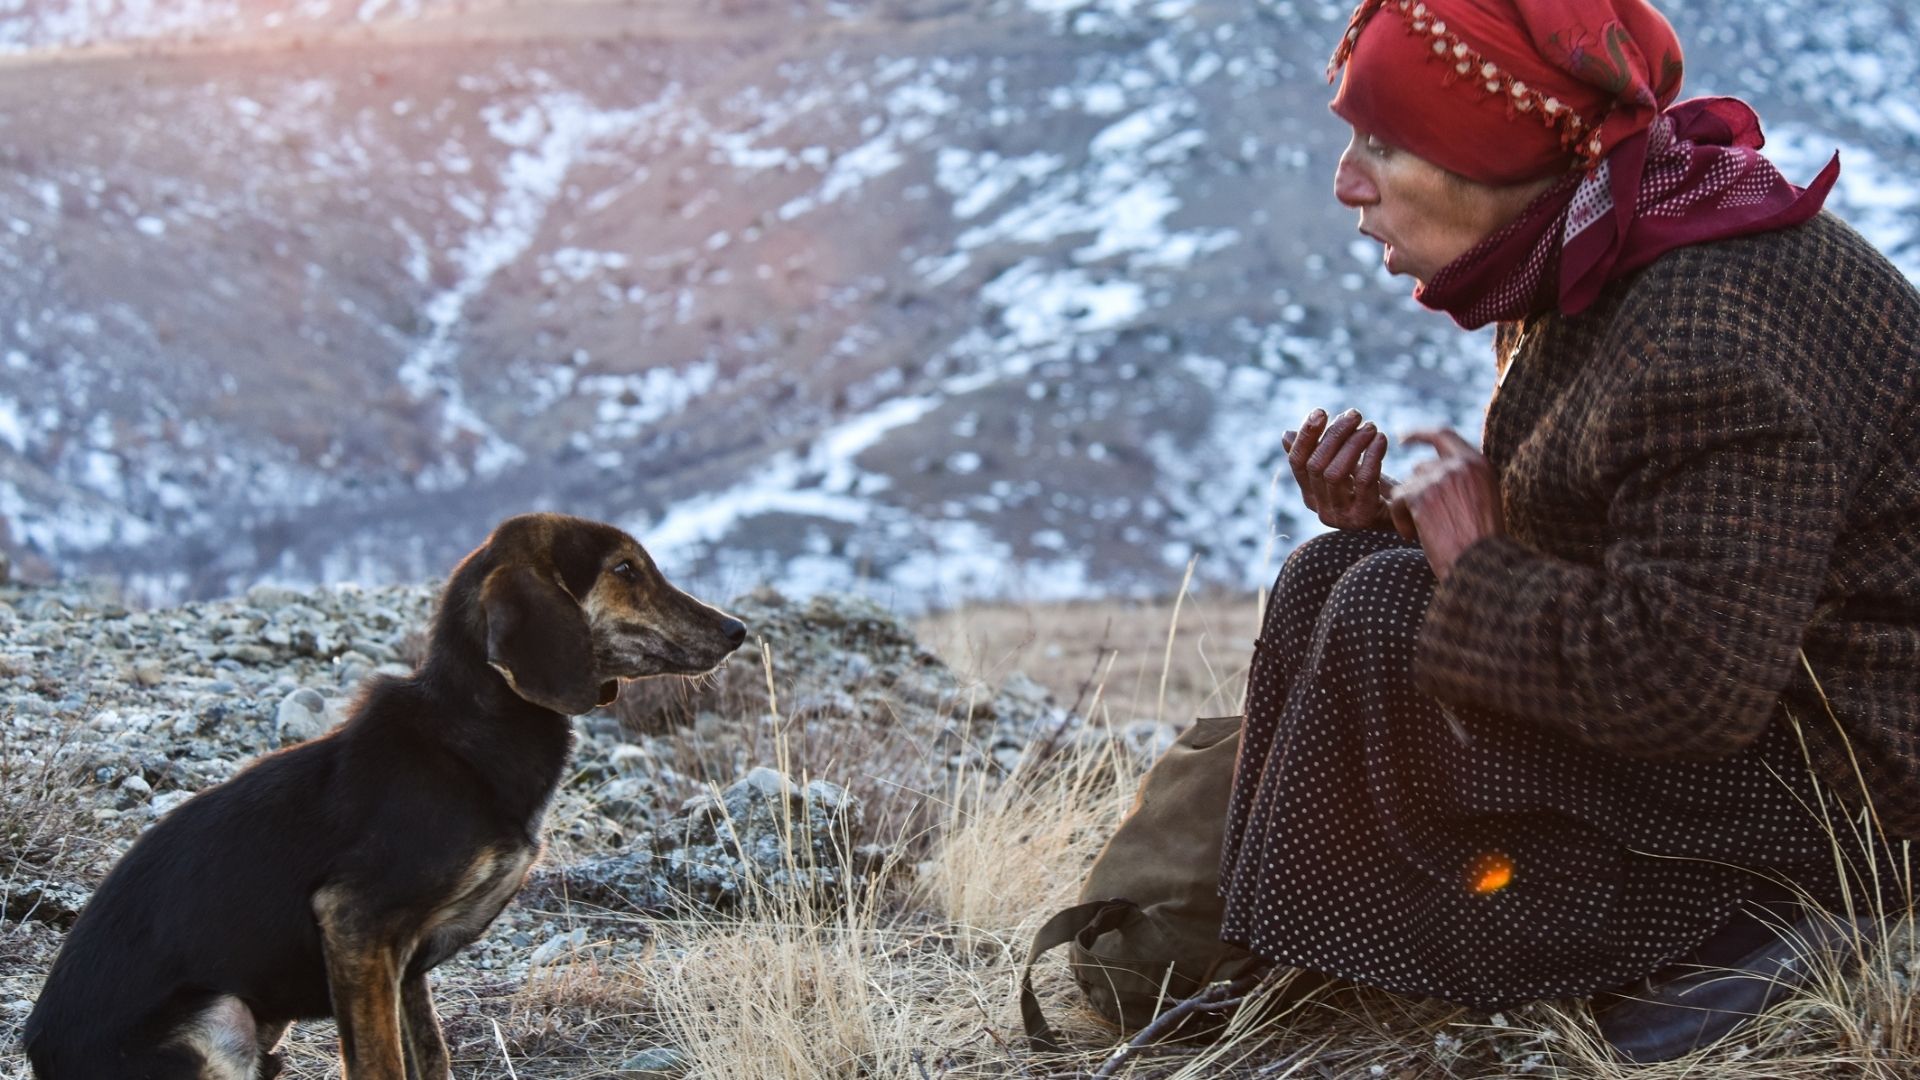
x: 1426, y: 216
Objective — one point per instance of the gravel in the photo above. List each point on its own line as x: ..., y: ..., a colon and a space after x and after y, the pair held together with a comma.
x: 678, y: 802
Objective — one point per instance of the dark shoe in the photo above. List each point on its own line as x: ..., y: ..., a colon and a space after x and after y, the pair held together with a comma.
x: 1686, y: 1006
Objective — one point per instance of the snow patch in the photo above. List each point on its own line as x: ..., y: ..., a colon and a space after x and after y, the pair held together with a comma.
x: 1041, y: 307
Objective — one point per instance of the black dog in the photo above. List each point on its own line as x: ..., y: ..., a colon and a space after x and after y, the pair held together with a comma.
x: 327, y: 879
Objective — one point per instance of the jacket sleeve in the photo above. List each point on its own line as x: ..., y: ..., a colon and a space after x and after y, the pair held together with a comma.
x: 1724, y: 503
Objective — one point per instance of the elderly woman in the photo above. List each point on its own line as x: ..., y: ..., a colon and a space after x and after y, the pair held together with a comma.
x: 1590, y: 703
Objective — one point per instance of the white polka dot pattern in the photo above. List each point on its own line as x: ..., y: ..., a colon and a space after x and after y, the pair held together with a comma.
x: 1459, y: 854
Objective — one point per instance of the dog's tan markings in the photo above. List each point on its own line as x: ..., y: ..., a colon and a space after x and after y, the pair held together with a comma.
x: 471, y: 906
x: 507, y: 674
x: 363, y: 979
x: 479, y: 874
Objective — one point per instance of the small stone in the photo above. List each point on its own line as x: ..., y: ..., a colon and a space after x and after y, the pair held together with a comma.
x: 148, y: 671
x: 29, y: 705
x: 270, y: 597
x: 628, y: 759
x: 856, y: 666
x: 51, y: 902
x: 166, y: 801
x: 137, y: 786
x: 558, y: 946
x: 302, y: 715
x: 656, y: 1063
x: 767, y: 782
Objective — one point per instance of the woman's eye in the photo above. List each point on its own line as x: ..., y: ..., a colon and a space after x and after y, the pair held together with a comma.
x: 1377, y: 148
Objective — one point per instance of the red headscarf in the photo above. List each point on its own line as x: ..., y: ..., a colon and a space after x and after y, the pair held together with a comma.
x: 1504, y: 91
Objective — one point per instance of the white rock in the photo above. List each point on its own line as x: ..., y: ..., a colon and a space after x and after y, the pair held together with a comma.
x: 628, y: 758
x: 166, y: 801
x: 766, y: 781
x: 302, y: 715
x: 137, y: 786
x: 655, y: 1063
x: 559, y: 946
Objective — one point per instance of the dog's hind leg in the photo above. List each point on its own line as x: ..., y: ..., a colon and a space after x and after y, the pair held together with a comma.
x: 426, y: 1047
x: 225, y: 1039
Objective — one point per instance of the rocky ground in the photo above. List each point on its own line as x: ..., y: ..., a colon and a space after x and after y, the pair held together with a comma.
x: 820, y: 761
x: 830, y: 726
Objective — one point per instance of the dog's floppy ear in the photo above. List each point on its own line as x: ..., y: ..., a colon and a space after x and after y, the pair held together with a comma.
x: 537, y: 639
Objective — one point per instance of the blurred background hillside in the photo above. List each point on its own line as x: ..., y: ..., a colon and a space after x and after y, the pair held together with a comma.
x: 938, y: 300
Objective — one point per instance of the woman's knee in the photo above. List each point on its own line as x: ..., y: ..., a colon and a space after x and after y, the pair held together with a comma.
x: 1311, y: 573
x: 1386, y: 588
x: 1322, y: 560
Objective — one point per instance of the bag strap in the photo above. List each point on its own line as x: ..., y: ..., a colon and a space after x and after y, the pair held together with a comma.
x: 1093, y: 918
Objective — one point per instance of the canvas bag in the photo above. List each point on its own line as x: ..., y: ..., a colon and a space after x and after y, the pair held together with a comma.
x: 1146, y: 931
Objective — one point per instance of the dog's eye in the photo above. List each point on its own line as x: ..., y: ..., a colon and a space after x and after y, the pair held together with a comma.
x: 624, y: 571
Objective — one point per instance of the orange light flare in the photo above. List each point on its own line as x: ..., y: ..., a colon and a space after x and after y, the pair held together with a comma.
x: 1489, y: 873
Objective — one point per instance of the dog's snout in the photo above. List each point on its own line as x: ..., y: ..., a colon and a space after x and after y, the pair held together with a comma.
x: 734, y: 631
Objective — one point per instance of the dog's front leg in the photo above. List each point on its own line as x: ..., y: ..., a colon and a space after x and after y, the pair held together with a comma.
x: 363, y: 981
x: 426, y: 1047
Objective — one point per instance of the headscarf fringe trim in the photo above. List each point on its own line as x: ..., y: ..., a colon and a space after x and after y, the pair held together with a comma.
x: 1463, y: 62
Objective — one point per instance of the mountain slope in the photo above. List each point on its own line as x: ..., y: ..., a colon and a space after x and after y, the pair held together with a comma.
x: 941, y: 298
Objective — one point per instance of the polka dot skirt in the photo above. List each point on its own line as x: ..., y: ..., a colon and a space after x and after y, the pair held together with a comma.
x: 1379, y: 836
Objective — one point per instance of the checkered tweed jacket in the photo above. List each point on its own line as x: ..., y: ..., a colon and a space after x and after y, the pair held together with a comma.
x: 1711, y: 482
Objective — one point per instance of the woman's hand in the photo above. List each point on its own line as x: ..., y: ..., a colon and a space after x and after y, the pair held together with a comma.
x: 1451, y: 501
x: 1337, y: 466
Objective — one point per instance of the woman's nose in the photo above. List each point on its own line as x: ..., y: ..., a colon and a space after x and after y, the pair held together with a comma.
x: 1351, y: 184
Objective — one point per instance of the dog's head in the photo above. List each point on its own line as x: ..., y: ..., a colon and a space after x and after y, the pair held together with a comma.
x: 568, y: 607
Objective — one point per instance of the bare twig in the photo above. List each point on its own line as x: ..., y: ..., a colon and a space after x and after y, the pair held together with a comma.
x: 1099, y: 653
x: 1218, y: 997
x: 1013, y: 1056
x: 501, y: 1038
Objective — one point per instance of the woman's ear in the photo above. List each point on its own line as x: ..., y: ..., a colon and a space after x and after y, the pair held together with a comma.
x: 537, y: 639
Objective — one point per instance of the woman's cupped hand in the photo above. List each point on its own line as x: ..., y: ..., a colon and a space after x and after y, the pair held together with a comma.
x: 1446, y: 505
x: 1337, y: 465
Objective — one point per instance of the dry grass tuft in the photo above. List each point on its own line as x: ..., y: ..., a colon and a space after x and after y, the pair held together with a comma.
x: 918, y: 978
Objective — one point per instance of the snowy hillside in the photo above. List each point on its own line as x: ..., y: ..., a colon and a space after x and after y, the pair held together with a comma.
x: 38, y: 25
x: 934, y: 298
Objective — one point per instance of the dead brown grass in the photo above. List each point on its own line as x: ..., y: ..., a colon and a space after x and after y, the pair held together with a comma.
x: 1112, y: 660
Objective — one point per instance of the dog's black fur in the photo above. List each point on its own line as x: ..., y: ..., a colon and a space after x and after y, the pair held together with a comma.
x: 327, y: 879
